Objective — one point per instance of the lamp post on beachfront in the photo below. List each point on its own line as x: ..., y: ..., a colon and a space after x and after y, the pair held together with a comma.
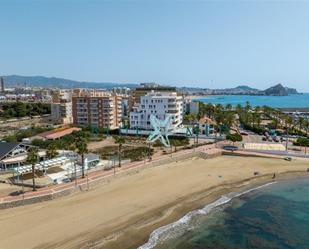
x: 87, y: 170
x: 287, y: 139
x: 149, y: 152
x: 22, y: 187
x: 114, y: 164
x: 75, y: 174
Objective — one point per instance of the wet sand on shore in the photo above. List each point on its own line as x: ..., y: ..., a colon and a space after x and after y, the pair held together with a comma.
x: 123, y: 212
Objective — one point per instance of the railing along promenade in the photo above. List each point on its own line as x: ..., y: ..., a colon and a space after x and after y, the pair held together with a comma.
x: 96, y: 177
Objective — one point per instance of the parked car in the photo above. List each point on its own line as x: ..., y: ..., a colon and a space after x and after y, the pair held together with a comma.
x: 244, y: 133
x: 288, y: 159
x: 230, y: 147
x: 276, y: 139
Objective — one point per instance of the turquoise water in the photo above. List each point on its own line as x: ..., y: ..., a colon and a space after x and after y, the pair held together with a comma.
x: 275, y: 216
x: 294, y: 100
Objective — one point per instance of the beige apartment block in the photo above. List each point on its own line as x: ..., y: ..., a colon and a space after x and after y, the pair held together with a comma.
x: 96, y: 109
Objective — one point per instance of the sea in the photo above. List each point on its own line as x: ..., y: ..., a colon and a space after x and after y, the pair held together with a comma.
x: 290, y: 101
x: 272, y: 216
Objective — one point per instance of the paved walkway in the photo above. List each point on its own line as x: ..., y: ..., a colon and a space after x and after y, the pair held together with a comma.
x: 101, y: 174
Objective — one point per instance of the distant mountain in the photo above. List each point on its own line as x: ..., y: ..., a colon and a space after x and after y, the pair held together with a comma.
x: 41, y: 81
x: 246, y: 88
x: 277, y: 90
x: 291, y: 90
x: 53, y: 82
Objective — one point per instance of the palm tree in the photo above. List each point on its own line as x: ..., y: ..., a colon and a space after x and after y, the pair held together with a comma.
x: 209, y: 110
x: 228, y: 107
x: 307, y: 126
x: 51, y: 151
x: 229, y: 119
x: 81, y: 145
x: 120, y: 140
x: 189, y: 118
x: 248, y: 106
x: 275, y: 123
x: 255, y: 119
x: 33, y: 158
x: 239, y: 109
x: 301, y: 122
x: 257, y: 109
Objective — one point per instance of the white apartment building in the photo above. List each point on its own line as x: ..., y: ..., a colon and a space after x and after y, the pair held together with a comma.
x: 159, y: 104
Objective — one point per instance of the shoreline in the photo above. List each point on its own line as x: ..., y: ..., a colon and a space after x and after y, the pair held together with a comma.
x: 182, y: 207
x: 123, y: 212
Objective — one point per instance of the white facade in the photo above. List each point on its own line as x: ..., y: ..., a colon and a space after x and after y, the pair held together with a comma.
x: 159, y: 104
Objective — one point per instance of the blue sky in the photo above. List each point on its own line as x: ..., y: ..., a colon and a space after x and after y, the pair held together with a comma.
x: 192, y: 43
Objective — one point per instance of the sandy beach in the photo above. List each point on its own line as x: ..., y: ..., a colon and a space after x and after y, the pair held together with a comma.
x: 123, y: 212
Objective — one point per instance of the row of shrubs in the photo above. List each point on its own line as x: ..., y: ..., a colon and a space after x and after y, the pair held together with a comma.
x: 302, y: 141
x: 128, y: 152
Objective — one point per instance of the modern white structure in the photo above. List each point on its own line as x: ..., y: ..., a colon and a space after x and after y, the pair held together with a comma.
x: 161, y: 130
x: 159, y: 104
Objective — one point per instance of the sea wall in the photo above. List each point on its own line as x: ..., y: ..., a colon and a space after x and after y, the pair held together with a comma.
x: 85, y: 185
x: 235, y: 153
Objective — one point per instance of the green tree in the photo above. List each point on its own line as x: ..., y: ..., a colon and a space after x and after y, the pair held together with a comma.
x: 234, y: 138
x: 20, y: 108
x: 301, y: 122
x: 120, y: 140
x: 81, y: 146
x: 33, y: 158
x: 228, y: 107
x: 239, y: 109
x: 248, y: 106
x: 306, y: 125
x: 190, y: 118
x: 51, y: 151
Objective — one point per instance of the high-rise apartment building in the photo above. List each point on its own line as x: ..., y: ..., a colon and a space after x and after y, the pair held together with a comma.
x: 61, y: 107
x: 145, y: 88
x: 159, y: 104
x: 1, y: 85
x: 97, y: 109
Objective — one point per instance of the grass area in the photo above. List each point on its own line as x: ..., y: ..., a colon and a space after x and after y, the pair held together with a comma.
x: 128, y: 152
x: 54, y: 170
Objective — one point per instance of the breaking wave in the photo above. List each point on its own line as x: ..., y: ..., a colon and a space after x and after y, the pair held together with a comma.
x: 178, y: 227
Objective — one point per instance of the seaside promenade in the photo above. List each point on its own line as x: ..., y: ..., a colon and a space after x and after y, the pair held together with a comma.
x: 95, y: 177
x: 99, y: 176
x: 121, y: 211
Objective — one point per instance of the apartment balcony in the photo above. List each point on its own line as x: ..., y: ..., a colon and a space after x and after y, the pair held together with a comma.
x: 172, y: 111
x: 82, y: 114
x: 108, y: 118
x: 172, y: 106
x: 171, y: 100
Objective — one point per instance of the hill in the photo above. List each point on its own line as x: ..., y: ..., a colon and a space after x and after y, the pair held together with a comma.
x: 247, y: 88
x: 42, y: 81
x: 277, y: 90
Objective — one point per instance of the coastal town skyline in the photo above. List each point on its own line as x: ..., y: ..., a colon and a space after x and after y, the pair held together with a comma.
x: 204, y: 44
x: 154, y: 124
